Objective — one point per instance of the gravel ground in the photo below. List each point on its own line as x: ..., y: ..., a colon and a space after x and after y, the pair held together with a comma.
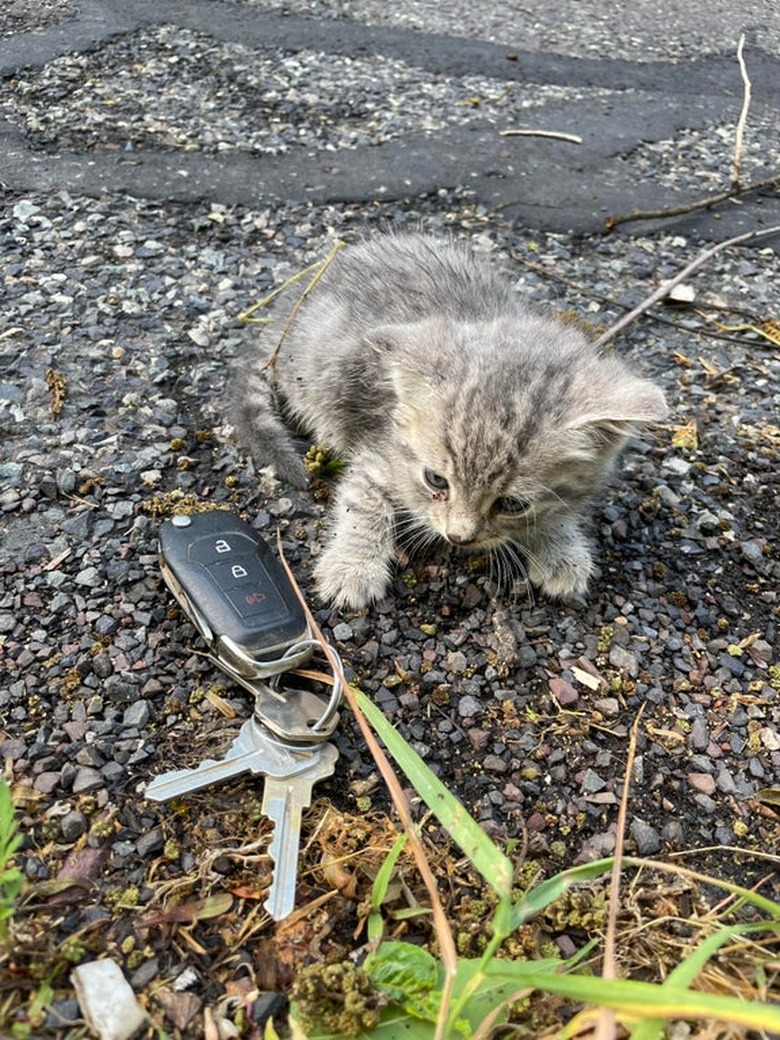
x: 198, y: 94
x: 120, y: 327
x: 576, y: 27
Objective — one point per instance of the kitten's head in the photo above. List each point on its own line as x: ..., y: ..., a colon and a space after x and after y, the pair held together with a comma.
x: 501, y: 427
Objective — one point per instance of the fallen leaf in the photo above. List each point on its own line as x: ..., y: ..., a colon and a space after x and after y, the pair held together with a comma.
x: 180, y: 1008
x: 248, y: 892
x: 197, y: 910
x: 76, y: 877
x: 686, y: 436
x: 57, y: 385
x: 771, y: 329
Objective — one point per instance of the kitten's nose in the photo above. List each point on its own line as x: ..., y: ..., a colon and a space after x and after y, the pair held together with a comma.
x: 459, y: 539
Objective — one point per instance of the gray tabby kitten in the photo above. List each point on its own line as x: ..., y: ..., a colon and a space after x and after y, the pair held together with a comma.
x: 459, y: 412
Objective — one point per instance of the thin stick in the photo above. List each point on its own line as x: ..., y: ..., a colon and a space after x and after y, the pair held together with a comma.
x: 739, y: 141
x: 605, y: 1028
x: 689, y: 207
x: 556, y: 135
x: 591, y: 294
x: 664, y: 289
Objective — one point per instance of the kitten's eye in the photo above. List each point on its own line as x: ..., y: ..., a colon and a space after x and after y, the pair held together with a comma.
x: 509, y: 506
x: 435, y: 481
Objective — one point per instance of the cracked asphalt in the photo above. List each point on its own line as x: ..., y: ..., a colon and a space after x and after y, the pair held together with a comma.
x: 539, y: 183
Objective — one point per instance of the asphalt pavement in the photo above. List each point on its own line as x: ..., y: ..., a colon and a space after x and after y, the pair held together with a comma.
x: 550, y: 183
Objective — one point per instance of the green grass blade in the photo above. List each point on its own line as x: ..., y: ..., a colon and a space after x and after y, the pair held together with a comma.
x: 641, y: 999
x: 492, y: 864
x: 687, y: 970
x: 385, y: 872
x: 379, y: 888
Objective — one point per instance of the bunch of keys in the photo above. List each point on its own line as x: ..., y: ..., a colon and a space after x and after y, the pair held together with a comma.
x: 236, y: 593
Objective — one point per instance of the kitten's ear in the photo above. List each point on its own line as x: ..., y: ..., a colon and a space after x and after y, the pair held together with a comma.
x: 614, y: 400
x: 408, y: 346
x: 404, y: 350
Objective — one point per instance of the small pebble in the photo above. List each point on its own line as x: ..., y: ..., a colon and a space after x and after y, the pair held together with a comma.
x: 72, y: 826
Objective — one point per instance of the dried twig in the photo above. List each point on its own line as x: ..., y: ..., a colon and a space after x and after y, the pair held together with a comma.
x: 556, y: 135
x: 735, y: 188
x: 663, y: 290
x: 591, y: 294
x: 690, y: 207
x: 739, y: 141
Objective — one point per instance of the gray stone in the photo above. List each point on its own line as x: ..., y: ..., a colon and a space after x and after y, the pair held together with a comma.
x: 73, y: 825
x: 137, y: 714
x: 646, y: 838
x: 469, y: 707
x: 150, y: 843
x: 342, y: 632
x: 86, y: 779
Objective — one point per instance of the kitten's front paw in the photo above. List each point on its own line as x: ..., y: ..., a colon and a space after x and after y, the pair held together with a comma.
x: 352, y: 584
x: 564, y: 576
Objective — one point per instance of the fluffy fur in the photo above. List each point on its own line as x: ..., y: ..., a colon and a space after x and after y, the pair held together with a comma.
x: 460, y: 414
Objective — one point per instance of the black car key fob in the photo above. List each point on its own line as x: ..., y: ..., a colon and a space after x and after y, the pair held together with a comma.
x: 235, y: 591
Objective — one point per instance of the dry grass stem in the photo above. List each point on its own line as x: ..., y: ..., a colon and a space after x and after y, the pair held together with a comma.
x: 444, y: 934
x: 606, y: 1027
x: 319, y: 269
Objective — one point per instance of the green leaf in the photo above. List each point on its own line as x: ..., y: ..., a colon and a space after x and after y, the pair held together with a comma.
x: 385, y: 873
x: 409, y: 976
x: 10, y: 838
x: 401, y: 970
x: 493, y: 865
x: 379, y: 888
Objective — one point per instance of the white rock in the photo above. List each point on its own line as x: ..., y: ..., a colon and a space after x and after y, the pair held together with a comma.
x: 106, y: 1000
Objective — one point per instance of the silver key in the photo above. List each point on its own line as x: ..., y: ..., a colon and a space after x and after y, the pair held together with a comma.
x: 253, y: 751
x: 284, y: 799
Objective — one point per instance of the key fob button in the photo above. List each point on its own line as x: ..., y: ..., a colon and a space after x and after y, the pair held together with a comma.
x: 220, y: 548
x: 247, y: 586
x: 252, y: 601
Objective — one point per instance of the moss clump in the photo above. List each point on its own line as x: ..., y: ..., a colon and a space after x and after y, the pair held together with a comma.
x: 583, y: 910
x: 336, y: 999
x: 319, y: 461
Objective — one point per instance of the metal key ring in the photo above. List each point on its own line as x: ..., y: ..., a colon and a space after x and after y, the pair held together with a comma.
x: 337, y: 690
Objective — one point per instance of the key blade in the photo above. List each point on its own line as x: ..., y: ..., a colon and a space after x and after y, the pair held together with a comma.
x: 284, y: 800
x: 284, y: 846
x: 179, y: 782
x: 251, y: 752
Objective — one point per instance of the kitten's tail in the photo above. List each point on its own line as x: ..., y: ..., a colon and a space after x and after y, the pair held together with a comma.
x: 252, y: 409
